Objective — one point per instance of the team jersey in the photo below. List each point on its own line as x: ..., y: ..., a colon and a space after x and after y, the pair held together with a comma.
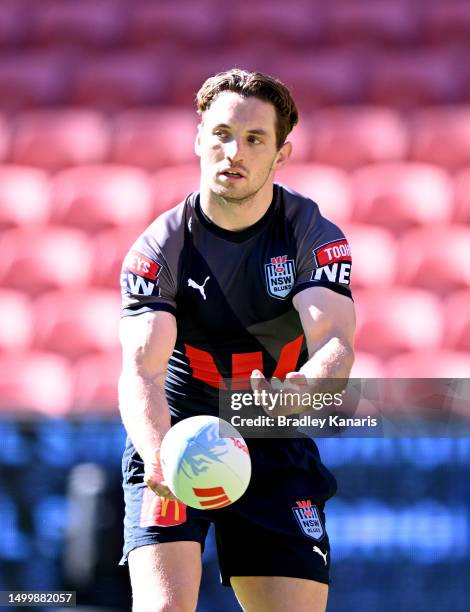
x: 231, y: 291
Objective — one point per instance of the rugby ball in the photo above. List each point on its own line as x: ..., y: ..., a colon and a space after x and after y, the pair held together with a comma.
x: 205, y: 462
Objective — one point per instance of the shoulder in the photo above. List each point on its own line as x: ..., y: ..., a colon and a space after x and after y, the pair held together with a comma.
x: 167, y: 227
x: 306, y: 220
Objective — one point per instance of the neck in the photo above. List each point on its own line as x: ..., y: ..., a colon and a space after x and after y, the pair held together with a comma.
x: 235, y: 215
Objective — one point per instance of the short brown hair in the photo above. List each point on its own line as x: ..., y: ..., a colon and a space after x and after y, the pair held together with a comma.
x: 257, y: 85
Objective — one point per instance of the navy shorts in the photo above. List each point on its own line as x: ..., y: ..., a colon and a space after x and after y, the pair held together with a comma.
x: 277, y: 528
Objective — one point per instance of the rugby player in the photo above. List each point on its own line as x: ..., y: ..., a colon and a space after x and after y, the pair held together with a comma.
x: 244, y: 278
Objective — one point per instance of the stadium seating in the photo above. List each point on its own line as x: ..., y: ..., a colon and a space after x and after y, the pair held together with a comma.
x: 109, y: 248
x: 402, y: 195
x: 16, y: 321
x: 441, y: 136
x: 323, y: 78
x: 96, y: 383
x: 76, y: 323
x: 435, y: 258
x: 24, y: 197
x: 35, y: 382
x: 97, y: 197
x: 115, y: 81
x: 282, y: 27
x: 5, y: 137
x: 373, y: 255
x: 15, y: 23
x: 54, y: 139
x: 182, y: 25
x: 83, y: 25
x: 171, y: 185
x: 430, y: 364
x: 34, y: 78
x: 414, y: 78
x: 155, y: 138
x: 462, y: 196
x: 457, y: 319
x: 373, y: 23
x: 353, y: 136
x: 367, y: 365
x: 397, y: 320
x: 328, y: 186
x: 35, y: 260
x: 447, y: 24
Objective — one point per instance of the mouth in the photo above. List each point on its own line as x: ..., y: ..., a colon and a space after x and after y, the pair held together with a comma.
x: 232, y: 174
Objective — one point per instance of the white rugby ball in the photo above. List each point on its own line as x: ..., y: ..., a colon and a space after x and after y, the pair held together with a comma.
x: 205, y: 462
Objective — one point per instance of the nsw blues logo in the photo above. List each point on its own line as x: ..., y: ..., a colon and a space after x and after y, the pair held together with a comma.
x: 280, y: 276
x: 309, y: 519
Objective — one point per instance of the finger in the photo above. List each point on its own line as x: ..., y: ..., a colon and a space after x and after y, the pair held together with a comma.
x: 256, y: 379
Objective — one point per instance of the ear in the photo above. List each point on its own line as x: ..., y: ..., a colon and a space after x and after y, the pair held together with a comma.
x: 197, y: 143
x: 283, y: 155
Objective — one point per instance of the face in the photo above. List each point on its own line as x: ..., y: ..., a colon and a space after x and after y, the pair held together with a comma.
x: 237, y: 146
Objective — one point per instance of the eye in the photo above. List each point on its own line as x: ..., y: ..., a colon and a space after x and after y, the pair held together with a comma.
x: 254, y: 139
x: 220, y: 134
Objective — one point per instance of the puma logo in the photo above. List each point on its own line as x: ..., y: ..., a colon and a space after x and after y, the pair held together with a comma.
x: 200, y: 288
x: 317, y: 550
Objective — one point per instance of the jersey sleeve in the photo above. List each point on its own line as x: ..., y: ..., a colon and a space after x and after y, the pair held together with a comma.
x: 324, y: 259
x: 148, y: 279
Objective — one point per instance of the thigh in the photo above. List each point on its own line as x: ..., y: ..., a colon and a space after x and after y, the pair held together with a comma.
x: 279, y: 593
x: 165, y: 576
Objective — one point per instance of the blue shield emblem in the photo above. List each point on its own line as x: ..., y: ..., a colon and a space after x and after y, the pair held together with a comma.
x: 280, y: 276
x: 309, y: 521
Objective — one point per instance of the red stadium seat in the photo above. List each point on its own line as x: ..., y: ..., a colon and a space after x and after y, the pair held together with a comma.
x: 54, y: 139
x: 441, y: 136
x: 188, y: 71
x: 35, y: 382
x: 84, y: 24
x: 389, y: 322
x: 34, y: 79
x: 155, y: 138
x: 171, y: 185
x: 5, y: 137
x: 447, y: 23
x: 322, y: 78
x: 34, y: 260
x: 96, y: 384
x: 117, y: 81
x: 75, y: 323
x: 99, y: 197
x: 430, y: 364
x: 282, y: 26
x: 24, y: 197
x: 414, y: 78
x: 462, y: 196
x: 351, y: 137
x: 435, y: 258
x: 402, y: 195
x: 375, y: 23
x: 15, y: 23
x: 367, y: 365
x: 457, y: 318
x: 110, y: 247
x: 182, y: 25
x: 329, y: 187
x: 373, y: 254
x: 16, y: 321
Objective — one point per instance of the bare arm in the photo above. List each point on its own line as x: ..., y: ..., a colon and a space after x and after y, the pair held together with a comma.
x: 328, y: 320
x: 147, y: 341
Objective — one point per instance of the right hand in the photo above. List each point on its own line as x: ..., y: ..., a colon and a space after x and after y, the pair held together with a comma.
x: 153, y: 477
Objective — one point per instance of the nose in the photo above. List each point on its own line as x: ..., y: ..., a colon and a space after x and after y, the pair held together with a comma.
x: 232, y: 150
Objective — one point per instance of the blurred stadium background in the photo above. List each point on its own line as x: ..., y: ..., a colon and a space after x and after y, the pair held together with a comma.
x: 97, y: 124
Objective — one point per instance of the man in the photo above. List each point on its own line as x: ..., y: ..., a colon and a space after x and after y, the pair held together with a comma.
x: 244, y: 278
